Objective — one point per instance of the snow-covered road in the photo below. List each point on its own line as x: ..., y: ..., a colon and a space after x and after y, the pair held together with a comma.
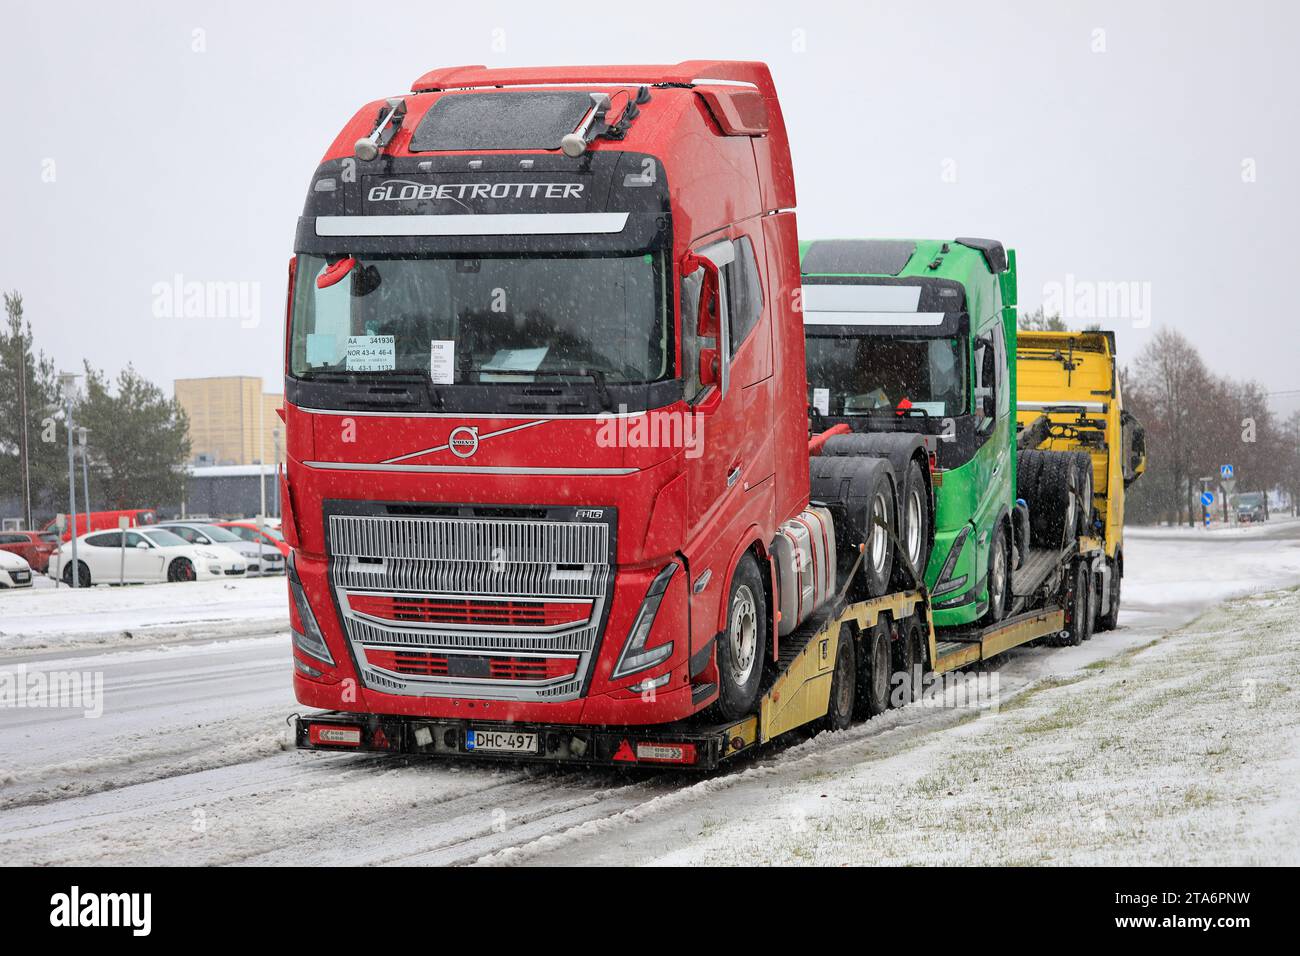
x: 190, y: 763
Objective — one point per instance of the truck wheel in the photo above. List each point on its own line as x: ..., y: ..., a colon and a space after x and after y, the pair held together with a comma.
x: 1110, y: 619
x: 878, y: 558
x: 914, y: 524
x: 1052, y: 508
x: 874, y: 671
x: 1078, y: 604
x: 905, y: 659
x: 839, y: 710
x: 743, y: 645
x: 999, y: 577
x: 1083, y: 482
x: 1090, y: 616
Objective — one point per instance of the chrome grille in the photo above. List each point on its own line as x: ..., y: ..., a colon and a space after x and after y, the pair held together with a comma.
x: 419, y: 556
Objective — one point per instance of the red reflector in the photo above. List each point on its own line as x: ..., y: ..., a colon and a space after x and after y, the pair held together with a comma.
x: 624, y: 753
x: 334, y: 736
x: 665, y: 753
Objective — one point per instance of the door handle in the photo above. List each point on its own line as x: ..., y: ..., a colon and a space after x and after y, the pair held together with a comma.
x: 733, y: 476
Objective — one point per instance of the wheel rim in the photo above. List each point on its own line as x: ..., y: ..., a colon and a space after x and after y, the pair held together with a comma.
x: 879, y: 535
x: 742, y: 637
x: 998, y: 577
x: 914, y: 529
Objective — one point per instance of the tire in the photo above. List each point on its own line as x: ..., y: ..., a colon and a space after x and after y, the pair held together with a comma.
x: 182, y: 569
x: 1110, y: 619
x: 1083, y: 484
x: 742, y: 647
x: 907, y: 655
x: 1078, y: 603
x: 875, y: 668
x: 914, y: 527
x: 83, y: 575
x: 1090, y: 618
x: 999, y: 577
x: 878, y: 556
x: 840, y: 709
x: 1053, y: 513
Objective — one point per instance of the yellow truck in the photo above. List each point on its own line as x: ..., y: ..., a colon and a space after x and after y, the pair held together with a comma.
x: 1068, y: 399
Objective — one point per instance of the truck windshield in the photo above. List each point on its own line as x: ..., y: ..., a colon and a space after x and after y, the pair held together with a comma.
x: 483, y: 320
x: 859, y: 375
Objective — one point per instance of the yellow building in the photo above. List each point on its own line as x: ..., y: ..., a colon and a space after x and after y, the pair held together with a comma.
x: 232, y: 421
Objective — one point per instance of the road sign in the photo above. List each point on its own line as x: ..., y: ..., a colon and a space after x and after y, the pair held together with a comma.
x: 1225, y: 471
x: 1228, y: 486
x: 1207, y: 498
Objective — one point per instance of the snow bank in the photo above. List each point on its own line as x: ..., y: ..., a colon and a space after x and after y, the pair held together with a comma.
x: 140, y: 614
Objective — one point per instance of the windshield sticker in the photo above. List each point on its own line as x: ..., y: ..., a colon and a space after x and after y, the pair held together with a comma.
x: 320, y: 348
x: 822, y: 400
x: 371, y: 353
x: 442, y: 361
x: 513, y: 360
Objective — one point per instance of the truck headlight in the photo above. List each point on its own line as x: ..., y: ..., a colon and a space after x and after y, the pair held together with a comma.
x: 636, y: 656
x: 943, y: 585
x: 311, y: 641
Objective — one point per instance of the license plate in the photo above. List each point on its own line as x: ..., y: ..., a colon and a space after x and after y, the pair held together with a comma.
x: 501, y: 741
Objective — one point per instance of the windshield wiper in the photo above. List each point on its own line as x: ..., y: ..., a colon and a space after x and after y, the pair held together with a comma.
x: 379, y: 382
x: 597, y: 377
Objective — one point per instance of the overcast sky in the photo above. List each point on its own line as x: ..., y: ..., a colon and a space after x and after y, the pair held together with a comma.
x: 1153, y: 144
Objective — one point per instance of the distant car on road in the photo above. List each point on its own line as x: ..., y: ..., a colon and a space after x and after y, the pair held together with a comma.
x: 267, y: 537
x: 150, y: 554
x: 1252, y: 507
x: 261, y: 558
x: 15, y: 572
x: 34, y: 547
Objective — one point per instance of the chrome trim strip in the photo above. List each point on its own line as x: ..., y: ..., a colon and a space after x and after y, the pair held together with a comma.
x: 445, y: 445
x: 509, y: 224
x: 499, y: 415
x: 464, y: 470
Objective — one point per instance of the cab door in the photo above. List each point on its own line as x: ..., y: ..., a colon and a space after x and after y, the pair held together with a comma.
x: 714, y: 466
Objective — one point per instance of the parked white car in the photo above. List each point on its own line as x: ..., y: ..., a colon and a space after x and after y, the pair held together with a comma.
x: 150, y: 554
x: 15, y: 572
x: 262, y: 559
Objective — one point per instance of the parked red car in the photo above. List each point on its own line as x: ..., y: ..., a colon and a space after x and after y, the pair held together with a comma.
x: 249, y: 531
x: 35, y: 546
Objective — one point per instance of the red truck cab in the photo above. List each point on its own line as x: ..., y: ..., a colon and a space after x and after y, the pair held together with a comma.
x: 544, y: 396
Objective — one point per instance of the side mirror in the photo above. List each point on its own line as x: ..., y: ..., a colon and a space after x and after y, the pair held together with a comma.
x: 989, y: 406
x: 142, y: 546
x: 199, y: 539
x: 707, y: 323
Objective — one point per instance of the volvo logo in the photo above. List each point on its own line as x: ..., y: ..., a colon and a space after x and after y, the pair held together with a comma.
x: 463, y: 441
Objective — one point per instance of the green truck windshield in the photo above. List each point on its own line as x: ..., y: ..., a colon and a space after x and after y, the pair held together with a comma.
x: 485, y: 319
x: 858, y: 375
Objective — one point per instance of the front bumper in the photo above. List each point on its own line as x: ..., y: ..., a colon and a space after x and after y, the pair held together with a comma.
x: 685, y: 746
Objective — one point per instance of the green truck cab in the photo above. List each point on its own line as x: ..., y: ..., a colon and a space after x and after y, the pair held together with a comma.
x: 918, y: 337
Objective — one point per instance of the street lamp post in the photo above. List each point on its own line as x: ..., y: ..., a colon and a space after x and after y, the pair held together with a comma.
x: 85, y: 470
x: 68, y: 383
